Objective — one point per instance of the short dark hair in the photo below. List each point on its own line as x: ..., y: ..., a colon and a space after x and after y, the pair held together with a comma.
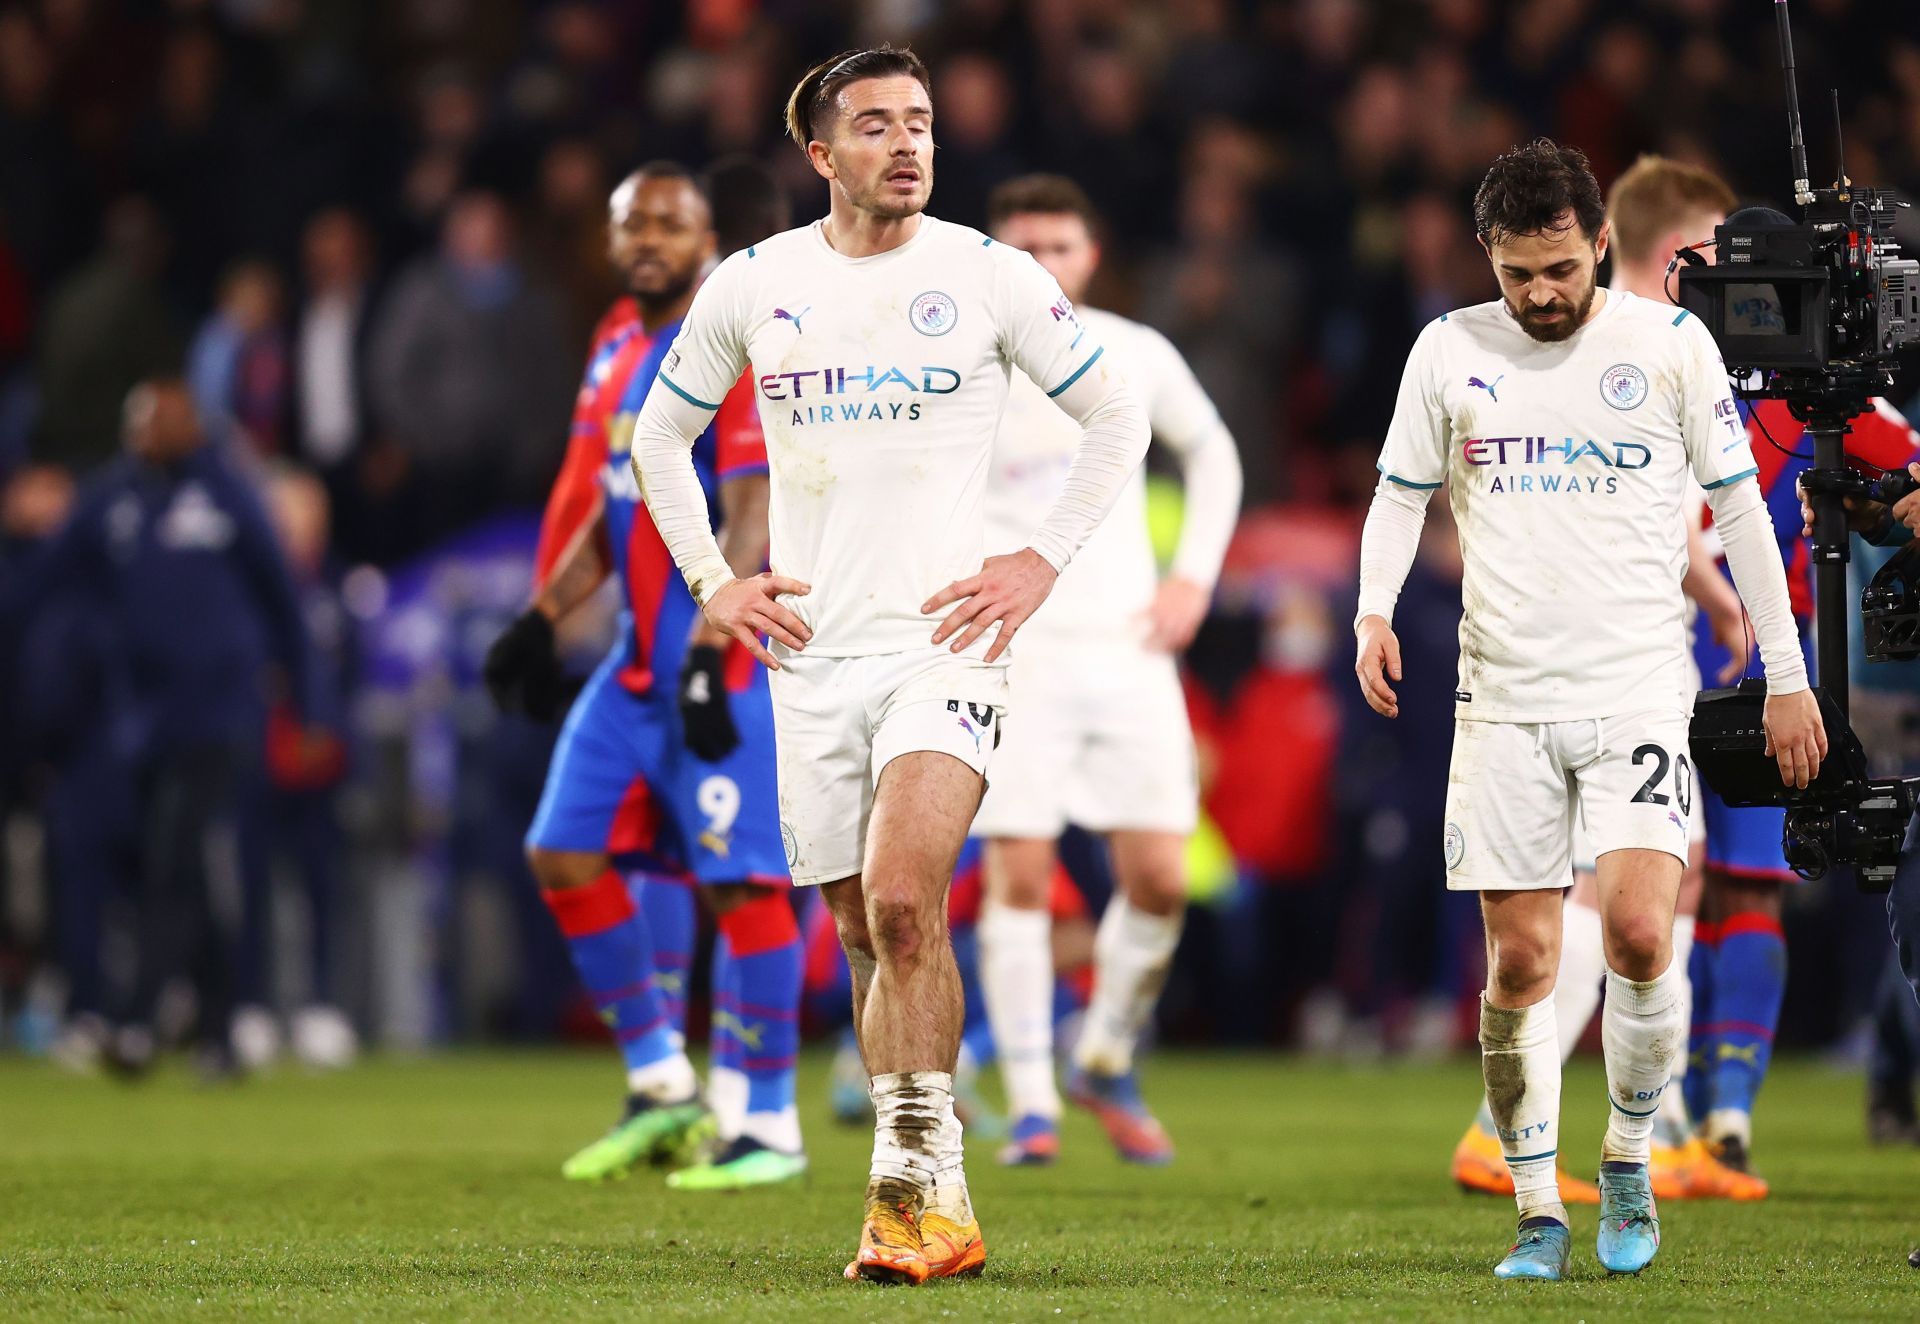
x: 813, y: 95
x: 1528, y: 190
x: 747, y: 200
x: 1049, y: 195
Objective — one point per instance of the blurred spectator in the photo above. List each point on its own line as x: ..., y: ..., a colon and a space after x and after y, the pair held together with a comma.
x: 107, y: 327
x: 470, y: 372
x: 237, y: 364
x: 337, y: 266
x: 168, y: 555
x: 306, y: 769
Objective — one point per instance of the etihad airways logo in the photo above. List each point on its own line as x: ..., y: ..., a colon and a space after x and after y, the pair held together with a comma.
x: 1538, y: 464
x: 844, y: 395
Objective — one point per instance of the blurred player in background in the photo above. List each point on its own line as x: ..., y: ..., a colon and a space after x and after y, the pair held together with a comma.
x: 1656, y: 207
x: 880, y: 340
x: 1100, y: 737
x: 1569, y: 418
x: 684, y: 777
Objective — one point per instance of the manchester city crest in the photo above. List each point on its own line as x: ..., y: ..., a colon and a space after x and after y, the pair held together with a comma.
x: 933, y: 313
x: 1623, y: 386
x: 1456, y: 845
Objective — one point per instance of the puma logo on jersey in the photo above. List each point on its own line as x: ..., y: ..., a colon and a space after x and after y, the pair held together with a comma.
x: 783, y: 315
x: 1488, y: 387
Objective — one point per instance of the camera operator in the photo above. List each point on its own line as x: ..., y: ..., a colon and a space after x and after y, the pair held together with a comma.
x: 1890, y: 526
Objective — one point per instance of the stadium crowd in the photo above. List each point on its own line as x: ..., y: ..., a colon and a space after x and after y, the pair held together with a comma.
x: 365, y: 239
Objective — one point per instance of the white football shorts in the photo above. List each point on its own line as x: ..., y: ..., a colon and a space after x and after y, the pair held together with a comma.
x: 1516, y: 789
x: 838, y: 722
x: 1097, y: 736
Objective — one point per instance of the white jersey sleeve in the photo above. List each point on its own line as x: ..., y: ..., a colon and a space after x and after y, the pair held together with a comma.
x: 1183, y: 418
x: 1415, y: 453
x: 1716, y: 438
x: 1041, y: 335
x: 701, y: 367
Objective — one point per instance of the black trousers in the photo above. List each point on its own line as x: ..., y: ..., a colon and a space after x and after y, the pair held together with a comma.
x: 189, y: 866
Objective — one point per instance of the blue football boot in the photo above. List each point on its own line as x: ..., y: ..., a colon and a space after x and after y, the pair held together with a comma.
x: 1629, y: 1225
x: 1541, y: 1251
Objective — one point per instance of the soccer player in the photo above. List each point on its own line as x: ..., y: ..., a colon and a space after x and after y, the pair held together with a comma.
x: 1566, y: 421
x: 880, y: 340
x: 683, y: 776
x: 1101, y: 735
x: 1654, y: 208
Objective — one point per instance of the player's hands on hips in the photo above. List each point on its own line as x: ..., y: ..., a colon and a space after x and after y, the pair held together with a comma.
x: 1796, y: 737
x: 1008, y: 589
x: 1179, y: 605
x: 745, y: 609
x: 705, y: 716
x: 1378, y: 661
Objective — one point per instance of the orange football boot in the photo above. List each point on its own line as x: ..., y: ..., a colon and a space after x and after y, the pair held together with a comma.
x: 1710, y: 1179
x: 1480, y: 1166
x: 890, y: 1247
x: 952, y: 1251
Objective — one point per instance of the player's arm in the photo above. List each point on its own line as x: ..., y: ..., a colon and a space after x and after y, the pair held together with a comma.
x: 1413, y: 466
x: 706, y: 358
x: 1710, y: 591
x: 522, y: 668
x: 1184, y: 419
x: 1723, y: 462
x: 706, y: 718
x: 1043, y: 338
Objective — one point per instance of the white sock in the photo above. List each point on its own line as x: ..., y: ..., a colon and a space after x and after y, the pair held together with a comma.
x: 909, y: 1108
x: 778, y: 1129
x: 1729, y: 1124
x: 670, y: 1080
x: 1016, y: 979
x: 1583, y: 964
x: 727, y: 1096
x: 1522, y: 1074
x: 1131, y: 954
x: 1638, y: 1032
x: 949, y: 1196
x: 1671, y: 1125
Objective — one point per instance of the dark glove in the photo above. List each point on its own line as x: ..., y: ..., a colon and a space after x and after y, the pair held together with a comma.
x: 523, y: 672
x: 703, y: 704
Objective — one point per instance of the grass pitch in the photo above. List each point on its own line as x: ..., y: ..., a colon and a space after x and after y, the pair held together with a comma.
x: 430, y: 1189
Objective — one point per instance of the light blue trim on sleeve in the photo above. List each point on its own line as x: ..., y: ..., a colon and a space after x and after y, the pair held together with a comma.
x: 1409, y: 483
x: 1733, y: 478
x: 1684, y: 315
x: 696, y: 400
x: 1078, y: 373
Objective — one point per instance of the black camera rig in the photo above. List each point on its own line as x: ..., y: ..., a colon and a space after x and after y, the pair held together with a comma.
x: 1813, y: 313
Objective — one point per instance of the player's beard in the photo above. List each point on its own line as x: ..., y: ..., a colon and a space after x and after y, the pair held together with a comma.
x: 658, y: 292
x: 1548, y: 333
x: 880, y: 201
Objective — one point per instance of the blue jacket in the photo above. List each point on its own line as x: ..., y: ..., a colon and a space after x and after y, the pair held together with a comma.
x: 183, y: 562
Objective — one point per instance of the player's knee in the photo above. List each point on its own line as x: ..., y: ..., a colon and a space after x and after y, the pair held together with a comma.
x: 563, y: 870
x: 899, y: 923
x: 1638, y: 946
x: 1521, y: 972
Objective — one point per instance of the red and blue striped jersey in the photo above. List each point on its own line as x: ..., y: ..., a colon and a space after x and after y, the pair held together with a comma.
x: 660, y: 610
x: 1881, y: 439
x: 597, y: 473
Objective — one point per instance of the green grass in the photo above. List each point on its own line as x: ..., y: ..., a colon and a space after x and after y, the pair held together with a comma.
x: 429, y: 1189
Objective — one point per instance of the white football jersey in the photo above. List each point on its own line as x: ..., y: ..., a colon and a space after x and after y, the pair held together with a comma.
x: 880, y: 383
x: 1568, y: 465
x: 1108, y: 587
